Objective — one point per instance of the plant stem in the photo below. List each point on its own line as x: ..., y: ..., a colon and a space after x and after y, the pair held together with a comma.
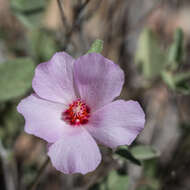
x: 63, y: 18
x: 39, y: 174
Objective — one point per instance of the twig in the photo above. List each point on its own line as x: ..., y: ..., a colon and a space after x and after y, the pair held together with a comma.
x: 39, y: 174
x: 63, y: 18
x: 90, y: 13
x: 83, y: 5
x: 77, y: 20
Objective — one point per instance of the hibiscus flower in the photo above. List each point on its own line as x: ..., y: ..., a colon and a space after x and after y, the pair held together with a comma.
x: 73, y: 110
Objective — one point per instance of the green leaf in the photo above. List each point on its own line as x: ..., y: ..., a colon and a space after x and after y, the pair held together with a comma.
x: 15, y: 78
x: 168, y: 79
x: 123, y: 152
x: 182, y: 77
x: 30, y: 21
x: 180, y: 82
x: 115, y: 182
x: 144, y: 152
x: 146, y: 187
x: 27, y: 5
x: 96, y: 47
x: 149, y: 55
x: 29, y: 12
x: 150, y: 176
x: 42, y: 44
x: 176, y: 50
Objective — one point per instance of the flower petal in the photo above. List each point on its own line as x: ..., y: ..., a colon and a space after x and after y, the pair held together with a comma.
x: 53, y: 80
x: 98, y: 79
x: 78, y: 153
x: 43, y: 118
x: 117, y: 123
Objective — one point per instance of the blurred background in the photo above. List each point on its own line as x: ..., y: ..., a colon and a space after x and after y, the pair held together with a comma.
x: 149, y: 39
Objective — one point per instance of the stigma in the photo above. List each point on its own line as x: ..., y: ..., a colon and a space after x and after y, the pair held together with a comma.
x: 78, y: 113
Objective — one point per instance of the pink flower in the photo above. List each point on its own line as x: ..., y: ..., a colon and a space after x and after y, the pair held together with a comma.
x: 72, y: 109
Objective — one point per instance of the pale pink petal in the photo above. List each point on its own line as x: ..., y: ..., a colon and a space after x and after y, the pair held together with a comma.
x: 43, y: 118
x: 53, y: 80
x: 78, y: 153
x: 98, y: 79
x: 117, y: 123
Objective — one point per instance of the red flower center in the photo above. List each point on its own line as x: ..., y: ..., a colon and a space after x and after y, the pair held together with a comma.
x: 78, y: 113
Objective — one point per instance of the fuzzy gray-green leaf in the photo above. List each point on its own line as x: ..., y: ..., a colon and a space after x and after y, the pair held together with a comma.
x: 144, y: 152
x: 149, y: 55
x: 15, y: 78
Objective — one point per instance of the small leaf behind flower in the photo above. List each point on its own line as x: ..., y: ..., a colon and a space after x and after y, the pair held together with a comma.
x: 144, y: 152
x: 96, y: 47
